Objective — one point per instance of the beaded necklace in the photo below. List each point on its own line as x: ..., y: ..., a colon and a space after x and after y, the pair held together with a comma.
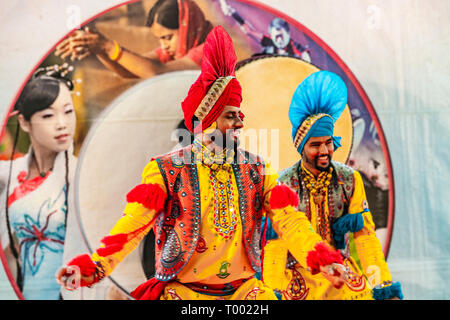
x: 225, y: 220
x: 221, y: 180
x: 318, y: 188
x: 219, y: 163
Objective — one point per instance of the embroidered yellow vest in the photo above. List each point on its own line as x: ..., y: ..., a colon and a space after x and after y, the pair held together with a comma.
x: 178, y: 226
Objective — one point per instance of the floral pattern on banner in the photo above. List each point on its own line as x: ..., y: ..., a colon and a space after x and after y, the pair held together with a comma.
x: 38, y: 235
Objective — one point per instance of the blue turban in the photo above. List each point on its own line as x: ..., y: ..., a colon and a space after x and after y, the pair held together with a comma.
x: 322, y: 92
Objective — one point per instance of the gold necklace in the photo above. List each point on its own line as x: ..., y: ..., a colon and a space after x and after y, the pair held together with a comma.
x: 219, y: 163
x: 225, y: 215
x: 318, y: 188
x: 221, y: 181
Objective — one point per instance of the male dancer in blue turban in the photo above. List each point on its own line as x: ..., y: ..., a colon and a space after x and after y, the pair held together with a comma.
x: 332, y: 196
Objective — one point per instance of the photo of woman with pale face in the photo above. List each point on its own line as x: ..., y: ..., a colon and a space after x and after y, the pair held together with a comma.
x: 35, y: 187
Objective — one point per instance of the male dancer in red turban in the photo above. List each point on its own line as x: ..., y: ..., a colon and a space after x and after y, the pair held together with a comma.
x: 206, y: 203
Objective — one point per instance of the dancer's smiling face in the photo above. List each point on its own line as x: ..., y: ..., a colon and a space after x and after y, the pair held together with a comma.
x: 317, y: 154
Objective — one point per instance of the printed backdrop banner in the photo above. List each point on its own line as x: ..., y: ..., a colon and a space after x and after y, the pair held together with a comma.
x: 393, y: 57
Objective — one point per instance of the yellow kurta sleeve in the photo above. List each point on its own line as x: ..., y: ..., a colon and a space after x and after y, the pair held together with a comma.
x: 291, y: 225
x: 368, y: 247
x: 295, y: 229
x: 136, y: 219
x: 274, y: 264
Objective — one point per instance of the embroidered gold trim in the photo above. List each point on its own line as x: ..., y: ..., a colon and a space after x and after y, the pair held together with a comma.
x: 212, y: 96
x: 305, y: 126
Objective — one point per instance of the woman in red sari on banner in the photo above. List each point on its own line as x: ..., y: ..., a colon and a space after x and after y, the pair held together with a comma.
x: 206, y: 202
x: 180, y: 27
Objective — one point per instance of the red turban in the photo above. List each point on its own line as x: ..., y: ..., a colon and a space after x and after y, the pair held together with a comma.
x: 216, y: 87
